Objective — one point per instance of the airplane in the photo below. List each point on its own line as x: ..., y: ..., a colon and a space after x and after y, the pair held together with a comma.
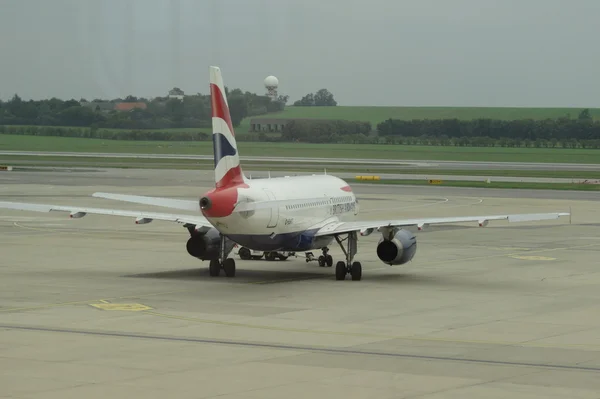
x: 296, y: 214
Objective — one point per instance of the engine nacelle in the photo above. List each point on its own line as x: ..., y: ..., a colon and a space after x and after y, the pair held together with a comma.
x: 399, y: 250
x: 206, y: 246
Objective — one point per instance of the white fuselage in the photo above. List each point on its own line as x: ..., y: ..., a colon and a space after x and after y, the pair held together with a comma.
x: 310, y: 203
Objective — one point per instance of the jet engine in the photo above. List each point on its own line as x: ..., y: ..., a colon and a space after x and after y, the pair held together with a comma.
x: 206, y: 246
x: 399, y: 250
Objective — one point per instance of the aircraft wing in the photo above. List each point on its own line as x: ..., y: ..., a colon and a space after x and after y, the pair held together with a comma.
x: 346, y: 227
x: 141, y: 217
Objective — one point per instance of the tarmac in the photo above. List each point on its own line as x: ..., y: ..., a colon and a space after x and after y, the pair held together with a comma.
x: 380, y: 163
x: 206, y: 175
x: 101, y: 307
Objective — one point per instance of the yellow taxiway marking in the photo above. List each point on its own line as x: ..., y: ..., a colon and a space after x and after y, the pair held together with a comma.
x: 124, y: 307
x: 88, y: 301
x: 433, y: 263
x: 522, y: 257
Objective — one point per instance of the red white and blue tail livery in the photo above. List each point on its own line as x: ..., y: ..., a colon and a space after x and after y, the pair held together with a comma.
x: 227, y: 160
x: 293, y: 214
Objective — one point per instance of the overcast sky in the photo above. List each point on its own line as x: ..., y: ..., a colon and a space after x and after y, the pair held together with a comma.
x: 366, y: 52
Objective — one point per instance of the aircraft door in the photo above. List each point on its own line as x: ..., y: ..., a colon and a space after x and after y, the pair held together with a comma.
x: 274, y: 218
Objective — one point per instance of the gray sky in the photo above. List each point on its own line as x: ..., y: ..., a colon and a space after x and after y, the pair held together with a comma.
x: 366, y: 52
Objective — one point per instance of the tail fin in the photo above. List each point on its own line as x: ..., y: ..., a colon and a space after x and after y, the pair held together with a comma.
x: 228, y: 171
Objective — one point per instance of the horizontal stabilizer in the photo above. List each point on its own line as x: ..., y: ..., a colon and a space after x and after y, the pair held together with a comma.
x: 194, y: 206
x: 186, y: 205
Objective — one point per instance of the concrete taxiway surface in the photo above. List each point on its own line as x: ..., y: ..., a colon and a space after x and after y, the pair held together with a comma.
x: 206, y: 175
x: 99, y: 307
x: 392, y: 163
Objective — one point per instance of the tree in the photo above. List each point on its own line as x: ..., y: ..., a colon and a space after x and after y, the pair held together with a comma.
x: 584, y: 115
x: 322, y: 98
x: 283, y: 99
x: 306, y: 101
x: 238, y: 109
x: 193, y: 111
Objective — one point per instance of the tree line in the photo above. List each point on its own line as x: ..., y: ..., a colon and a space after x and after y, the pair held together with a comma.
x: 582, y: 132
x: 105, y: 134
x: 193, y: 111
x: 333, y: 132
x: 564, y: 128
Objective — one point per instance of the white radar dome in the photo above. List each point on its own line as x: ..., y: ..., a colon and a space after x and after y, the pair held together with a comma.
x: 271, y: 81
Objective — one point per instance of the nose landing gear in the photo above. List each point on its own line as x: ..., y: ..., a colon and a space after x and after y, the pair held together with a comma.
x: 323, y: 260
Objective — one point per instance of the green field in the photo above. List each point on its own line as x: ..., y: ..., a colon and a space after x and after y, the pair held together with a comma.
x: 370, y: 151
x: 376, y: 115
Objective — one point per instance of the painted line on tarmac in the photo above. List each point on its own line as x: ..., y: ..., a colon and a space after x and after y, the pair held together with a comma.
x: 434, y: 263
x: 332, y: 332
x: 325, y: 276
x: 305, y: 348
x: 26, y: 218
x: 88, y: 301
x: 525, y: 257
x: 517, y: 253
x: 69, y: 230
x: 369, y: 335
x: 122, y: 307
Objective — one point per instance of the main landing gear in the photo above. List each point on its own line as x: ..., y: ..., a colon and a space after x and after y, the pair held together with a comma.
x: 223, y: 262
x: 342, y: 268
x: 349, y: 267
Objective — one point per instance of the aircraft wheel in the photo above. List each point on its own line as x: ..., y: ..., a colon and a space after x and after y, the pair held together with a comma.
x: 229, y: 267
x: 356, y: 271
x: 329, y: 260
x: 321, y: 261
x: 281, y: 257
x: 340, y: 271
x: 214, y: 268
x: 245, y: 253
